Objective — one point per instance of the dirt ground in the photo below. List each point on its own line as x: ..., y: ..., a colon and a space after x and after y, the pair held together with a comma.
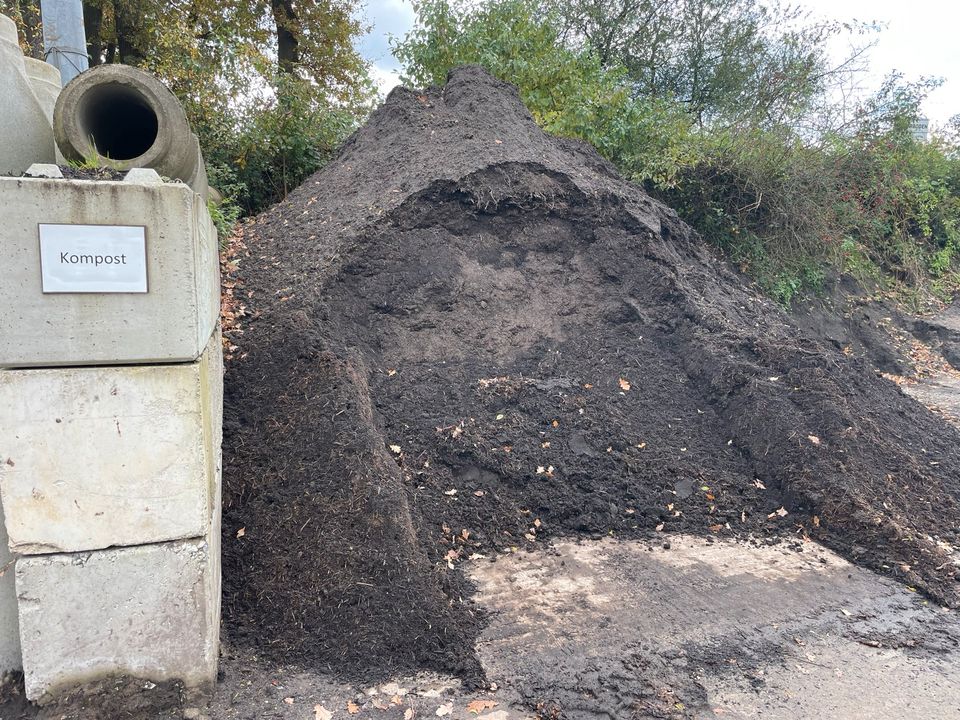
x: 500, y: 429
x: 587, y: 629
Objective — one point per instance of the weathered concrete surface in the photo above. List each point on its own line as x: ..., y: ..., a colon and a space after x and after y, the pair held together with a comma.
x: 712, y: 630
x: 9, y: 624
x: 26, y: 136
x: 170, y: 323
x: 45, y: 81
x: 150, y: 611
x: 98, y: 457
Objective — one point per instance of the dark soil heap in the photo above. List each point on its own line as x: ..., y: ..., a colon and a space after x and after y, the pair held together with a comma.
x: 465, y: 335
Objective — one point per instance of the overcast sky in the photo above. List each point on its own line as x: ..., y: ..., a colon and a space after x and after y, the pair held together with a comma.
x: 922, y: 38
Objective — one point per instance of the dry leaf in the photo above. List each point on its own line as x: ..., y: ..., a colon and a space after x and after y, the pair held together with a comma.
x: 408, y: 714
x: 445, y: 709
x: 759, y: 484
x: 451, y: 492
x: 288, y: 700
x: 556, y: 423
x: 391, y: 372
x: 780, y: 512
x: 479, y: 493
x: 814, y: 439
x: 241, y: 532
x: 478, y: 706
x: 659, y: 527
x: 321, y: 713
x: 353, y: 708
x: 395, y: 449
x: 624, y: 384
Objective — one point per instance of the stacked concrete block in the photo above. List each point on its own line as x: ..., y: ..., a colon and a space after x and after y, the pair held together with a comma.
x: 9, y: 623
x: 110, y: 432
x: 171, y: 322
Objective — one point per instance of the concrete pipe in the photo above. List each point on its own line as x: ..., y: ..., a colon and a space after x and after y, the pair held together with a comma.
x: 121, y: 117
x: 25, y: 133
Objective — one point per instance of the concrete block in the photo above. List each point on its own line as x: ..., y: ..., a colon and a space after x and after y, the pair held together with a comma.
x: 110, y: 456
x: 9, y: 624
x: 150, y: 611
x: 44, y: 170
x: 171, y: 322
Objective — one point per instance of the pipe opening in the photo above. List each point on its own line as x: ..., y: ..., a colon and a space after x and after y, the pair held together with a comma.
x: 120, y: 121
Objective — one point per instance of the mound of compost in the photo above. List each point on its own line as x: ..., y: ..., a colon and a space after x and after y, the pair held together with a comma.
x: 465, y: 336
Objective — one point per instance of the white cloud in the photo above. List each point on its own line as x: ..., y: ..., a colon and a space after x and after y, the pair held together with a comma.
x: 385, y: 78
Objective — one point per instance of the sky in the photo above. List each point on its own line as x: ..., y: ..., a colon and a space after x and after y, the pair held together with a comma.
x: 922, y: 37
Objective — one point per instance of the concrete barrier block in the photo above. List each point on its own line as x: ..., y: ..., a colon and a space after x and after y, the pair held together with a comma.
x: 9, y: 624
x: 111, y: 456
x: 150, y: 611
x: 171, y: 322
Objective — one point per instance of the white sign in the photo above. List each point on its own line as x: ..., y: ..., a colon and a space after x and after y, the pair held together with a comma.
x: 93, y: 258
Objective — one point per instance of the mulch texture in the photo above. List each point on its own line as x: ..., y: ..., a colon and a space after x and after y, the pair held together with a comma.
x: 465, y: 336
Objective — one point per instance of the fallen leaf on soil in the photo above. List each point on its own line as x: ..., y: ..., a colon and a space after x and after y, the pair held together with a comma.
x: 478, y: 706
x: 479, y: 493
x: 759, y: 484
x: 395, y: 449
x: 624, y: 384
x: 451, y: 492
x: 288, y: 700
x: 353, y: 708
x: 396, y: 700
x: 659, y: 527
x: 408, y: 714
x: 779, y: 512
x: 814, y: 439
x: 241, y: 532
x: 321, y: 713
x: 391, y: 372
x: 445, y: 709
x: 556, y: 423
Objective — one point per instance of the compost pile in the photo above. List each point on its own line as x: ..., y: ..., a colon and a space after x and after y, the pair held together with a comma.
x: 465, y: 336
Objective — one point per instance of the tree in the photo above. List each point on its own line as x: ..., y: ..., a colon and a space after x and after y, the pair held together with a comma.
x: 725, y: 60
